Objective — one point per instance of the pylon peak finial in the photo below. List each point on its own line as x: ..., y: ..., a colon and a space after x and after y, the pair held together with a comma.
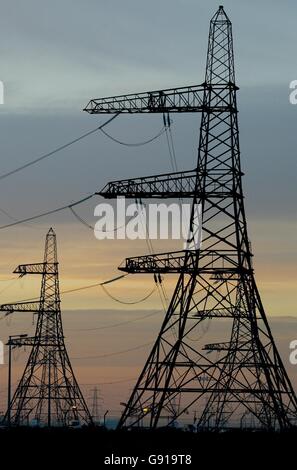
x: 220, y: 15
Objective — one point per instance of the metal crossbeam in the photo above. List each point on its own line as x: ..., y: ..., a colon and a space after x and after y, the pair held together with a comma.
x: 184, y: 262
x: 169, y: 185
x: 22, y: 341
x: 36, y: 268
x: 33, y: 307
x: 31, y: 341
x: 174, y: 100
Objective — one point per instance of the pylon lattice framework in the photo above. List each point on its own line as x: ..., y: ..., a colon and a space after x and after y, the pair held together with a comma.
x: 48, y: 391
x: 242, y: 377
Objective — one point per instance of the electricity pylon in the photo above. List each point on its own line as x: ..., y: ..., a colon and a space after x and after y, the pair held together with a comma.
x: 48, y: 392
x: 96, y: 405
x: 243, y: 374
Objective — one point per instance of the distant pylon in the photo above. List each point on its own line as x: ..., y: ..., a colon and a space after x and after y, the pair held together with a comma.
x: 239, y: 378
x: 48, y: 392
x: 95, y: 408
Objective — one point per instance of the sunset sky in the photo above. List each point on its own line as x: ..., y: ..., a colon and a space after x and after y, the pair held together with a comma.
x: 54, y: 57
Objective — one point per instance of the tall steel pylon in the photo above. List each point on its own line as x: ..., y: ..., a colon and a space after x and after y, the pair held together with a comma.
x: 240, y: 377
x: 48, y: 391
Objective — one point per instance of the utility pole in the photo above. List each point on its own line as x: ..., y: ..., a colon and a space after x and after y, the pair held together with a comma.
x: 216, y: 278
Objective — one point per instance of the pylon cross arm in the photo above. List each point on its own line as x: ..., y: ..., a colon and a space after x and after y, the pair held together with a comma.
x: 173, y: 100
x: 36, y: 268
x: 19, y: 342
x: 169, y: 185
x: 184, y: 262
x: 20, y: 307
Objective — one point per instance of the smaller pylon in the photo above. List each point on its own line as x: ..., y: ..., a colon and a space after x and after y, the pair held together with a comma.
x: 48, y: 393
x: 96, y: 405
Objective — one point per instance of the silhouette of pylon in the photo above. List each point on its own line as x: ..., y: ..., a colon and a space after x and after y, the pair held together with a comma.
x: 48, y: 392
x: 240, y: 378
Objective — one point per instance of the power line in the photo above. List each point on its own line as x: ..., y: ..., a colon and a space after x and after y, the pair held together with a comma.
x: 89, y: 286
x: 114, y: 325
x: 115, y: 353
x: 172, y: 153
x: 86, y: 224
x: 137, y: 144
x: 58, y: 149
x: 160, y: 288
x: 68, y: 291
x: 7, y: 214
x: 117, y: 381
x: 43, y: 214
x: 80, y: 219
x: 102, y: 284
x: 10, y: 216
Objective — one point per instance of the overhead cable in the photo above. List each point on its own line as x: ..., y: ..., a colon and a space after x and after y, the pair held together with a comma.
x: 43, y: 214
x: 89, y: 286
x: 137, y: 144
x: 56, y: 150
x: 115, y: 353
x: 125, y: 302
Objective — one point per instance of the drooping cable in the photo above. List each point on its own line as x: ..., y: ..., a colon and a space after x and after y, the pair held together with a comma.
x: 43, y: 214
x: 171, y: 148
x: 137, y: 144
x: 125, y: 302
x: 118, y: 381
x: 116, y: 353
x: 86, y: 224
x: 7, y: 214
x: 9, y: 279
x: 159, y: 285
x: 90, y: 286
x: 56, y: 150
x: 172, y: 155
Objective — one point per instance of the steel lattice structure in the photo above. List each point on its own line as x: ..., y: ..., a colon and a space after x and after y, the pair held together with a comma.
x: 242, y: 375
x: 48, y: 391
